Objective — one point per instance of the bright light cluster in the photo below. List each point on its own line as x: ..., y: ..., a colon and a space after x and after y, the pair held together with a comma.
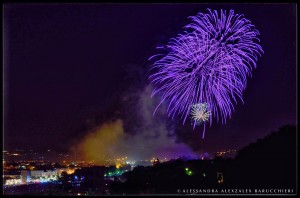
x: 12, y: 182
x: 199, y: 113
x: 188, y: 171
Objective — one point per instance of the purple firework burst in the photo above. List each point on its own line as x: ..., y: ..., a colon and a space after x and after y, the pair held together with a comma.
x: 208, y: 63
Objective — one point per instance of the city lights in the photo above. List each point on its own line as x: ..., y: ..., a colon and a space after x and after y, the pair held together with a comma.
x: 10, y: 182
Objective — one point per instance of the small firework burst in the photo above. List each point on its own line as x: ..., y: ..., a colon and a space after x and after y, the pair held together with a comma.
x: 200, y: 113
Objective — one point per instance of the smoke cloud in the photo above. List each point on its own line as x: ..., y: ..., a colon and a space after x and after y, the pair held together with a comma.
x: 136, y: 134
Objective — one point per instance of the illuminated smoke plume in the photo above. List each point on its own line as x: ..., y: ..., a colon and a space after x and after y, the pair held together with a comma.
x: 152, y: 136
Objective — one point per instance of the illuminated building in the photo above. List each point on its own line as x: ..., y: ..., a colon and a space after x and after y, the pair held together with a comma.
x: 13, y: 182
x: 25, y: 176
x: 37, y: 175
x: 42, y: 173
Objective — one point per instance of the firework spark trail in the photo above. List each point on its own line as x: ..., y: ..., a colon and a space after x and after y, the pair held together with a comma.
x: 200, y: 113
x: 208, y: 63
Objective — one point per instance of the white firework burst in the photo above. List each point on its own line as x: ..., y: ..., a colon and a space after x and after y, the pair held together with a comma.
x: 200, y: 113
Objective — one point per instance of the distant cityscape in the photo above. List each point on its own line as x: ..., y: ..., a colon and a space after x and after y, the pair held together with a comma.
x: 31, y: 168
x: 50, y: 155
x: 28, y: 172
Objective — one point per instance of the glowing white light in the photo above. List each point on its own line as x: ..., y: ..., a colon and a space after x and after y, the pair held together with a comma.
x: 200, y: 113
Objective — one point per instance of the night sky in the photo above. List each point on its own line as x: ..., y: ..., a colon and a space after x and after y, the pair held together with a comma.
x: 67, y: 65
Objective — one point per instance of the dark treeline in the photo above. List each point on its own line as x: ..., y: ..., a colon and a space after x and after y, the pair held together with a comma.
x: 268, y: 163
